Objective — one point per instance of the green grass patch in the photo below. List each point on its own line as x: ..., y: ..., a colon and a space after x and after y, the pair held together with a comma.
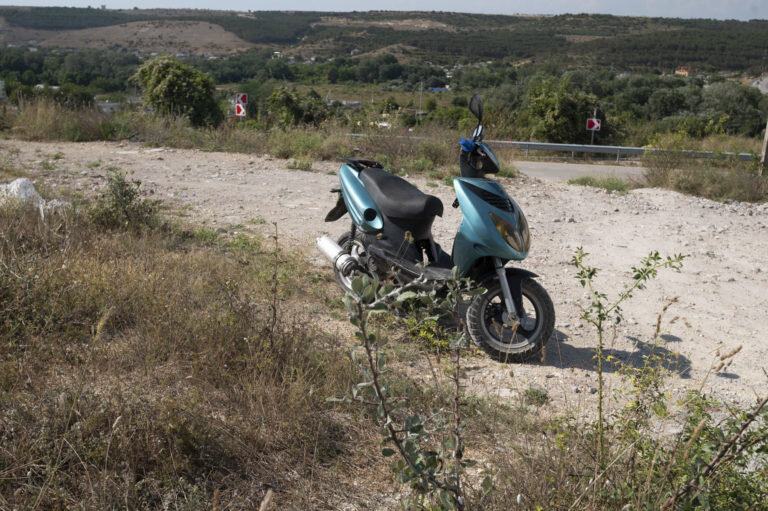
x: 610, y: 184
x: 305, y: 165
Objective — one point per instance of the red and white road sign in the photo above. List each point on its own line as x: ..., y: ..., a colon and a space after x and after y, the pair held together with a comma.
x: 240, y: 110
x: 593, y: 124
x: 241, y: 98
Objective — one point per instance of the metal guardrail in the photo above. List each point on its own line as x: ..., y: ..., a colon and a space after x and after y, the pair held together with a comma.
x: 597, y: 149
x: 613, y: 149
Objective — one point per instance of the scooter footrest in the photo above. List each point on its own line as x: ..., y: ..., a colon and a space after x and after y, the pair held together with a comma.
x: 435, y: 273
x: 432, y: 273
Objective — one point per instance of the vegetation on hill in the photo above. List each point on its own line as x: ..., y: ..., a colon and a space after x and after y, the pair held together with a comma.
x: 624, y: 42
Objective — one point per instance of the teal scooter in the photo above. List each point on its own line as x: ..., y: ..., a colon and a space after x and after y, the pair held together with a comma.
x: 391, y: 237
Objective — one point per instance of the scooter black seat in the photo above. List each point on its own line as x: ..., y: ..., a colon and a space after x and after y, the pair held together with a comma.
x: 397, y: 198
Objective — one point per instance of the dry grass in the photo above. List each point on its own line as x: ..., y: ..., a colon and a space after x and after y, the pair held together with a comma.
x: 44, y: 119
x: 717, y: 180
x: 143, y: 369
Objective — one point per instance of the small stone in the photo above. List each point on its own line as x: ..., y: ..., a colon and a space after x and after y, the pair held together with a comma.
x: 576, y: 389
x: 571, y: 220
x: 592, y: 390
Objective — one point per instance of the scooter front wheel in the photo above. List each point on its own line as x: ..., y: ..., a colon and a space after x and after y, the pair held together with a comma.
x: 513, y: 340
x: 355, y: 248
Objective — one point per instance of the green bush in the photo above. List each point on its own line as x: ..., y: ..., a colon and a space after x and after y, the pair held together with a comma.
x: 122, y: 206
x: 419, y: 165
x: 173, y: 88
x: 294, y: 143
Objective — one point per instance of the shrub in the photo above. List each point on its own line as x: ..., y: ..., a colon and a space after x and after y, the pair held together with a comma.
x: 667, y: 166
x: 419, y: 165
x: 294, y: 144
x: 173, y: 88
x: 300, y: 165
x: 122, y: 205
x: 438, y: 152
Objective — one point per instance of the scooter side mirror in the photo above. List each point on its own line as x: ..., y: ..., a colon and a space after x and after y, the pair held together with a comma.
x: 476, y: 107
x: 477, y: 135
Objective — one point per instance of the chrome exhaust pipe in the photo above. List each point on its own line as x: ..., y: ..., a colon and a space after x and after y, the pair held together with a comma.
x: 343, y: 262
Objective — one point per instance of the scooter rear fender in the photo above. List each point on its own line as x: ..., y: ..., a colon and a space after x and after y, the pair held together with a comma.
x: 364, y: 212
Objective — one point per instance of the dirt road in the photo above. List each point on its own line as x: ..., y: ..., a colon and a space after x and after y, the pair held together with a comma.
x: 722, y: 289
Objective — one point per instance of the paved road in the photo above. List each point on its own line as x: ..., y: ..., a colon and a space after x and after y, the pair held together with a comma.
x: 563, y: 171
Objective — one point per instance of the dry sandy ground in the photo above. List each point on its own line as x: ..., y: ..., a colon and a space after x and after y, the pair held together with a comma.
x: 407, y: 25
x: 722, y: 289
x: 195, y: 37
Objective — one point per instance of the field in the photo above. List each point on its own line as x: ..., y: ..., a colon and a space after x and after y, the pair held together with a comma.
x: 209, y: 386
x: 171, y: 338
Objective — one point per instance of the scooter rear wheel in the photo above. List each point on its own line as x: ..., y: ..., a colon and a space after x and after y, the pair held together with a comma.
x: 355, y: 248
x: 511, y: 343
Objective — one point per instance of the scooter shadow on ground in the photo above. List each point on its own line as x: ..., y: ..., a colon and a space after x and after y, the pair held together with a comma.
x: 562, y: 355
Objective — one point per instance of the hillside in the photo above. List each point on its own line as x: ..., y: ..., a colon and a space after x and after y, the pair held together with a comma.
x: 603, y: 40
x: 167, y: 36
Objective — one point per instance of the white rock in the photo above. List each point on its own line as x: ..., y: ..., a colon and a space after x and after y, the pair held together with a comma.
x: 21, y: 190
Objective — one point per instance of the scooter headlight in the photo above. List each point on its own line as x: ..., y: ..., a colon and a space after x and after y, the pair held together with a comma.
x: 511, y: 234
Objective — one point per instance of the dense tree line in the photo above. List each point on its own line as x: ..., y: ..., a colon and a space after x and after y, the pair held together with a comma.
x: 554, y: 107
x: 547, y: 100
x: 79, y: 74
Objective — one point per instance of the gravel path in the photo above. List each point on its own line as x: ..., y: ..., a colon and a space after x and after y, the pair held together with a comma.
x: 722, y: 289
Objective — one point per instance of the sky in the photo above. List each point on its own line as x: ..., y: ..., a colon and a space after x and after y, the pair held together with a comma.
x: 717, y: 9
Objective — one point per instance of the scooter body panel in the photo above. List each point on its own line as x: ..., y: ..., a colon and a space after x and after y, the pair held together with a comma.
x: 478, y: 236
x: 364, y: 212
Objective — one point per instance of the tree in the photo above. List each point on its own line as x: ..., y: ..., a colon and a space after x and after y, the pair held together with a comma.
x: 666, y: 102
x: 290, y: 109
x: 173, y: 88
x: 741, y: 105
x: 557, y: 113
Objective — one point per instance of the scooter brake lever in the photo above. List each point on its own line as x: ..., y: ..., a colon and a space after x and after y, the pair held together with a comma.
x: 455, y: 203
x: 335, y: 190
